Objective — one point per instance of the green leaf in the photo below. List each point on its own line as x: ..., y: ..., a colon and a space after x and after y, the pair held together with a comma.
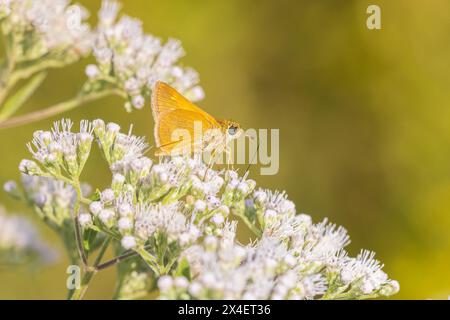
x: 96, y: 195
x: 89, y: 237
x: 21, y: 96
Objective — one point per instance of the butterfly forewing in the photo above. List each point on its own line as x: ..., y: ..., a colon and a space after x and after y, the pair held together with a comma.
x: 172, y: 112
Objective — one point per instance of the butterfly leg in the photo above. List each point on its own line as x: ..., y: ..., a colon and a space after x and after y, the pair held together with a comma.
x: 229, y: 155
x: 210, y: 164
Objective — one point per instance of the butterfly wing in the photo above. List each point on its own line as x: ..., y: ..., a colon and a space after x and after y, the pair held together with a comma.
x: 171, y: 111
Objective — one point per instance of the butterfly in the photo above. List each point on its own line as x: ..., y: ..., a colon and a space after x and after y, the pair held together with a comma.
x: 177, y: 120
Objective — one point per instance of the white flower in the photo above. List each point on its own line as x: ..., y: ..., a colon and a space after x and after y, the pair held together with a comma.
x: 181, y: 282
x: 138, y: 101
x: 106, y: 216
x: 165, y: 283
x: 365, y: 270
x: 20, y: 241
x: 125, y: 224
x: 52, y: 198
x: 128, y: 242
x: 107, y: 196
x: 200, y: 205
x: 125, y: 210
x: 85, y: 219
x: 92, y: 71
x: 168, y: 219
x: 218, y: 219
x: 95, y: 207
x: 61, y: 148
x: 108, y: 12
x: 145, y: 60
x: 10, y: 186
x: 195, y: 289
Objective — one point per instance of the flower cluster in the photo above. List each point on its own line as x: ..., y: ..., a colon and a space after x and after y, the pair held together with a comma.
x: 272, y: 269
x: 20, y: 241
x: 51, y: 31
x: 53, y: 201
x: 131, y: 61
x: 45, y: 34
x: 59, y: 152
x: 178, y: 215
x: 170, y: 204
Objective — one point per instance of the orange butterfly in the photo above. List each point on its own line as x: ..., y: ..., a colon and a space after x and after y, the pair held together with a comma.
x: 176, y: 120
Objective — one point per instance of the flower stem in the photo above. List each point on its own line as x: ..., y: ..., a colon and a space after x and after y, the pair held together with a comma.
x: 116, y: 260
x: 76, y: 211
x: 55, y: 109
x: 248, y: 223
x: 90, y: 273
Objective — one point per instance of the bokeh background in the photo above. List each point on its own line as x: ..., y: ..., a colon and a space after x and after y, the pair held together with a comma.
x: 364, y: 119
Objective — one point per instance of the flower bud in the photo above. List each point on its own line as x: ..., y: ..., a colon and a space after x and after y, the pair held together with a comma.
x: 125, y: 210
x: 117, y: 182
x: 217, y: 219
x: 99, y: 128
x: 181, y: 283
x: 125, y: 224
x: 107, y: 196
x: 92, y: 71
x: 200, y: 206
x: 165, y: 283
x: 128, y: 242
x: 106, y: 216
x: 85, y: 220
x: 95, y: 207
x: 29, y: 167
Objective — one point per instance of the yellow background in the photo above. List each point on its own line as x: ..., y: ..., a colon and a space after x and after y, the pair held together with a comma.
x: 364, y: 119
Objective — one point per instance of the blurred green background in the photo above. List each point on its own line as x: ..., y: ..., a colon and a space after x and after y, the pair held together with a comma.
x: 364, y: 119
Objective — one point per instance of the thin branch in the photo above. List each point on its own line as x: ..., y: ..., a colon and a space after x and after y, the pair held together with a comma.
x: 55, y: 109
x: 116, y: 260
x: 78, y: 294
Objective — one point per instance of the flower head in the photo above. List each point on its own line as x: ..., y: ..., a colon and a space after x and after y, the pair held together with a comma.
x: 61, y: 151
x: 132, y: 61
x: 20, y: 241
x: 56, y: 31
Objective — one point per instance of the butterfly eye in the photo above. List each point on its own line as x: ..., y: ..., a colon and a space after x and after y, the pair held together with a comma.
x: 232, y: 130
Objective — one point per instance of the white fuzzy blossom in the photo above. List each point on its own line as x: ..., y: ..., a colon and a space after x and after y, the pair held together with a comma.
x: 178, y: 215
x: 52, y: 199
x: 20, y: 241
x: 60, y: 152
x: 132, y: 61
x: 226, y: 270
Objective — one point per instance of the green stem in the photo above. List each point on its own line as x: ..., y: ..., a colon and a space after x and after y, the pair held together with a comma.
x: 55, y: 109
x: 13, y: 103
x: 24, y: 73
x: 6, y: 83
x: 116, y: 260
x: 78, y: 236
x: 78, y: 294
